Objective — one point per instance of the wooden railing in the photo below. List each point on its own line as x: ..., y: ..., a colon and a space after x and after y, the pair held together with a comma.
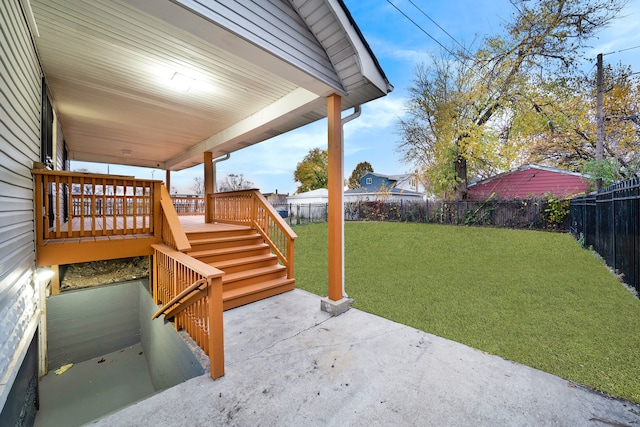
x: 71, y: 204
x: 188, y: 205
x: 249, y: 207
x: 191, y: 293
x: 173, y: 234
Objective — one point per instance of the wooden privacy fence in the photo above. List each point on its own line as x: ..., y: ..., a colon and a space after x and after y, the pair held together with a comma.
x: 190, y: 291
x: 249, y: 207
x: 70, y: 205
x: 609, y: 221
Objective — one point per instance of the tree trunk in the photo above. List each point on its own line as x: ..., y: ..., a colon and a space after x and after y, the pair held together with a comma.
x: 461, y: 175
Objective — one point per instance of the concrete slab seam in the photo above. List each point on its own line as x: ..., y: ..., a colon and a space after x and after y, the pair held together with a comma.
x: 257, y: 353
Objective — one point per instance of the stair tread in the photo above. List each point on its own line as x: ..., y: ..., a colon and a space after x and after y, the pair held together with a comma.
x: 226, y: 229
x: 232, y: 249
x: 223, y: 239
x: 254, y: 272
x: 249, y: 289
x: 221, y: 265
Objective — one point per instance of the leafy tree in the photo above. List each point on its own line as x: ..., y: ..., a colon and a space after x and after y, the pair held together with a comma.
x: 359, y: 171
x: 233, y: 182
x: 566, y: 129
x: 312, y: 171
x: 464, y: 108
x: 605, y: 170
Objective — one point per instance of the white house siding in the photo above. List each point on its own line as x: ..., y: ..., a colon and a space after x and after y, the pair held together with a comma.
x: 19, y: 146
x: 274, y: 25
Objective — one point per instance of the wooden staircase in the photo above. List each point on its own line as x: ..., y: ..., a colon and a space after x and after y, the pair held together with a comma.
x: 252, y: 272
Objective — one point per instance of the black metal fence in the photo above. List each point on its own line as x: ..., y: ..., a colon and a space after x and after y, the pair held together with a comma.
x: 378, y: 210
x: 535, y: 214
x: 307, y: 213
x: 609, y: 221
x: 521, y: 213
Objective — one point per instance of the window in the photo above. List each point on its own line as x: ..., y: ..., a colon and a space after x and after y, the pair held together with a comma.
x: 46, y: 129
x: 369, y: 181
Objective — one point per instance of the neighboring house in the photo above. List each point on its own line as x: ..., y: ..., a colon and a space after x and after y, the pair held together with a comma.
x: 372, y: 182
x: 166, y: 84
x: 392, y: 188
x: 530, y: 181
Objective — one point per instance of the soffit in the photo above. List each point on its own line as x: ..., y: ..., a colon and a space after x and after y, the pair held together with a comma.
x: 109, y: 66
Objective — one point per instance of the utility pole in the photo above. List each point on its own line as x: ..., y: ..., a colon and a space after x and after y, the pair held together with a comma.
x: 599, y: 117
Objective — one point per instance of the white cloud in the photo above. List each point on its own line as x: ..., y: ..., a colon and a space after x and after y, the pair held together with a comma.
x: 379, y: 114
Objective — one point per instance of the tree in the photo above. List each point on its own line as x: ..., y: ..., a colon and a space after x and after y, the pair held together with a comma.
x: 359, y: 171
x: 463, y: 107
x: 234, y: 182
x: 197, y: 186
x: 566, y: 129
x: 312, y: 171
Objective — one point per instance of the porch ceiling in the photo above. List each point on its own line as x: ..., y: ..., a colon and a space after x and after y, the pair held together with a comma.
x: 109, y: 66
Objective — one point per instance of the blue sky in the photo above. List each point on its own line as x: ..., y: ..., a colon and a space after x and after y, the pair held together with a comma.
x: 399, y: 46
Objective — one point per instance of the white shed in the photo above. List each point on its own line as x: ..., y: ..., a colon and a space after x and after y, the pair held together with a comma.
x: 320, y: 195
x: 309, y: 206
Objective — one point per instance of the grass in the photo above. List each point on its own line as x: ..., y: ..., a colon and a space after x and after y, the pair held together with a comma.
x: 532, y: 297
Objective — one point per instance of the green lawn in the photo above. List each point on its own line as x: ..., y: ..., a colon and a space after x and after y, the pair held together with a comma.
x: 532, y: 297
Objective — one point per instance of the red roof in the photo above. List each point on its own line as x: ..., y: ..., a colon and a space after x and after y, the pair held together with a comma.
x: 530, y: 181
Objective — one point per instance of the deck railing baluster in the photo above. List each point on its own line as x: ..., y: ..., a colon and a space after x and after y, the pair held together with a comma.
x: 195, y: 301
x: 249, y: 207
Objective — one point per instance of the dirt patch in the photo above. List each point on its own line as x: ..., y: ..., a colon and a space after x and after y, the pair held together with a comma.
x: 82, y: 275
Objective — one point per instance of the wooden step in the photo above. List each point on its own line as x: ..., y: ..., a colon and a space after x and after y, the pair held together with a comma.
x: 237, y: 231
x: 247, y: 294
x: 246, y: 263
x: 253, y: 276
x: 223, y: 254
x: 215, y: 242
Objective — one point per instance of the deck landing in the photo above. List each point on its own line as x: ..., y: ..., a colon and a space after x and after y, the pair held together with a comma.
x: 195, y: 223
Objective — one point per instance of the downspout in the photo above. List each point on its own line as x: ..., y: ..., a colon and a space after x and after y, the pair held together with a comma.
x: 218, y: 160
x: 215, y: 184
x: 356, y: 113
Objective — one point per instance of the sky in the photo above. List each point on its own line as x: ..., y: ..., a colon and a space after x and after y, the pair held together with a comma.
x: 399, y: 45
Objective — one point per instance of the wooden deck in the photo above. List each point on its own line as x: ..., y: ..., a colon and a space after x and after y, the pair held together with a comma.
x: 105, y: 226
x: 115, y: 228
x: 195, y: 223
x: 110, y: 241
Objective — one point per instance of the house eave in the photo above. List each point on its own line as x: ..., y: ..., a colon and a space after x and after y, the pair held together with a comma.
x: 107, y: 65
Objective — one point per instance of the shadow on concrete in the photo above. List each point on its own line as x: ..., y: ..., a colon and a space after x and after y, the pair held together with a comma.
x: 93, y: 388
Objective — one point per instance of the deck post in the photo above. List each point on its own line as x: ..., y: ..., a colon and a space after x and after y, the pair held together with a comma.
x: 216, y: 325
x: 208, y: 185
x: 55, y: 280
x: 335, y: 208
x: 167, y: 180
x: 156, y: 210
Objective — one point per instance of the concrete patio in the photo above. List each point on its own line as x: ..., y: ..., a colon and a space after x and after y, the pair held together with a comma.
x: 288, y: 363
